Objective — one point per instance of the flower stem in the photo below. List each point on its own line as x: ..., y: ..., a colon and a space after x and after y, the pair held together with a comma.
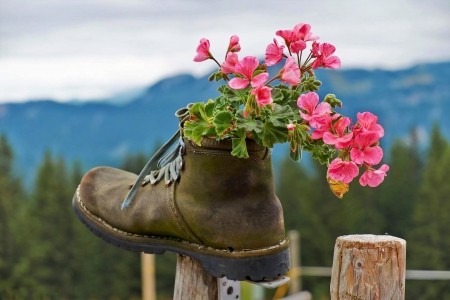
x: 212, y: 57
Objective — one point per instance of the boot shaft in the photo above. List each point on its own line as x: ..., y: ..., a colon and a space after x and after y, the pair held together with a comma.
x: 219, y: 194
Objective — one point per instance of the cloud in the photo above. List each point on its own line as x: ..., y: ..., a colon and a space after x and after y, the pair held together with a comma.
x: 96, y: 46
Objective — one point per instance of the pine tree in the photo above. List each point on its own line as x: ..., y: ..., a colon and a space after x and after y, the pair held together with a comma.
x: 399, y: 192
x: 46, y: 268
x: 12, y: 200
x: 428, y: 241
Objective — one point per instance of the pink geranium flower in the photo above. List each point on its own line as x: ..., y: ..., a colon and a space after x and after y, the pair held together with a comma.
x: 372, y: 177
x: 368, y: 122
x: 296, y: 39
x: 234, y: 45
x: 262, y: 94
x: 325, y: 127
x: 246, y: 67
x: 324, y: 57
x: 274, y: 53
x: 304, y: 32
x: 315, y: 114
x: 202, y: 51
x: 290, y: 73
x: 228, y: 66
x: 364, y: 150
x: 344, y: 171
x: 290, y: 126
x: 337, y: 135
x: 289, y: 36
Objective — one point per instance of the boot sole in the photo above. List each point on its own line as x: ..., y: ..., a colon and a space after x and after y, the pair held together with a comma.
x: 255, y: 265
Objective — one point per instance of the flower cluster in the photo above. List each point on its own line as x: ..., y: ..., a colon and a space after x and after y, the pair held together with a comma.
x: 250, y: 107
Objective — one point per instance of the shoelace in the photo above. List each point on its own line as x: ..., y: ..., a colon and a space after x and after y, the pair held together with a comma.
x: 170, y: 164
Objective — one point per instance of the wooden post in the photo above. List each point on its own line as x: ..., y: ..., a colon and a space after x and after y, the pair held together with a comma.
x: 192, y: 282
x: 368, y: 267
x: 294, y: 248
x: 148, y: 276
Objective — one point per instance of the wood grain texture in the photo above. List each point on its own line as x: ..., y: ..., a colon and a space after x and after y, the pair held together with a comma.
x: 368, y: 267
x: 192, y: 282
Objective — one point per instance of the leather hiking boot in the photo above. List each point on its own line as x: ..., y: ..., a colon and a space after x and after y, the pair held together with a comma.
x: 216, y: 208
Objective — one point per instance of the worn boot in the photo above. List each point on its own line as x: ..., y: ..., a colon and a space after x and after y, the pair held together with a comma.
x: 219, y: 209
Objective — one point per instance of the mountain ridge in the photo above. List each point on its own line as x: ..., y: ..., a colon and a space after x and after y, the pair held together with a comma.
x: 101, y: 133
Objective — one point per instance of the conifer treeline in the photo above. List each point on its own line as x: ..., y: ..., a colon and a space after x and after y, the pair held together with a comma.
x: 45, y: 252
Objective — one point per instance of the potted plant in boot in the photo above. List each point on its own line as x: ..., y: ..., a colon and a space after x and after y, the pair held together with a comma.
x: 217, y: 202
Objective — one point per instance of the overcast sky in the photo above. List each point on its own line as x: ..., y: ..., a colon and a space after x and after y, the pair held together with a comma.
x: 87, y: 49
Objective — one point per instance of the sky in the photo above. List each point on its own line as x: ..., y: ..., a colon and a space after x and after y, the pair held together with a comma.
x: 93, y: 49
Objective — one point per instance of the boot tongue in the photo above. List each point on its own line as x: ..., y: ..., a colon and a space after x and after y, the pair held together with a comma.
x: 131, y: 194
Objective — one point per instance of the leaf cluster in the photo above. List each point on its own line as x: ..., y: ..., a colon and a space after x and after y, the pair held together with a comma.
x: 236, y: 115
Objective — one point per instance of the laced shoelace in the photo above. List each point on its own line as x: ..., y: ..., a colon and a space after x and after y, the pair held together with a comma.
x: 170, y: 164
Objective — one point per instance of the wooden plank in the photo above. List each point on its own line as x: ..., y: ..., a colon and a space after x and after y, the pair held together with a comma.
x: 368, y: 267
x: 148, y: 276
x: 192, y: 282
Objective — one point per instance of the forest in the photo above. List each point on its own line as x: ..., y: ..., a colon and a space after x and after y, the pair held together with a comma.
x: 46, y: 253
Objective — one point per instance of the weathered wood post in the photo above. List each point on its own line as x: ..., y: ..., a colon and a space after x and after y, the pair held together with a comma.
x: 148, y: 276
x: 192, y: 282
x: 368, y: 267
x: 294, y: 247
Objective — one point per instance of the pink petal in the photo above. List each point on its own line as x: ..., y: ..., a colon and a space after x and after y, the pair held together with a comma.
x: 290, y: 73
x: 229, y: 65
x: 297, y: 46
x: 332, y: 62
x: 262, y: 95
x: 247, y: 66
x: 341, y: 125
x: 357, y: 156
x: 202, y: 51
x: 274, y: 53
x: 366, y: 119
x: 366, y: 139
x: 318, y: 133
x: 343, y: 170
x: 383, y: 168
x: 373, y: 155
x: 322, y: 109
x: 259, y: 79
x: 344, y: 141
x: 330, y: 139
x: 327, y: 49
x: 238, y: 83
x: 308, y: 102
x: 305, y: 116
x: 317, y: 63
x: 290, y: 77
x: 373, y: 178
x: 234, y: 44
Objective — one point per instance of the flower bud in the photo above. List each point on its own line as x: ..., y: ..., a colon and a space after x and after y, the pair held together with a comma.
x: 332, y: 100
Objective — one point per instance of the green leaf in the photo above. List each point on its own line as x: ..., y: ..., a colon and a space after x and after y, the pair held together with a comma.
x: 296, y: 155
x: 239, y: 148
x: 233, y: 95
x: 209, y: 109
x: 281, y: 115
x: 222, y: 121
x: 194, y: 131
x: 319, y: 151
x: 272, y: 134
x: 249, y: 123
x: 282, y: 96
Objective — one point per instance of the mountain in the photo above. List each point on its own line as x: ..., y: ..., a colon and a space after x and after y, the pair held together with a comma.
x: 101, y: 133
